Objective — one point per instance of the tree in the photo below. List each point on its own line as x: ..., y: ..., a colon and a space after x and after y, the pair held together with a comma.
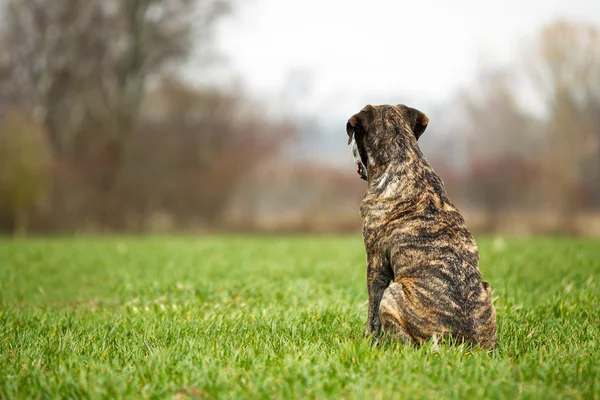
x: 564, y: 69
x: 193, y: 147
x: 82, y: 68
x: 25, y: 167
x: 560, y: 71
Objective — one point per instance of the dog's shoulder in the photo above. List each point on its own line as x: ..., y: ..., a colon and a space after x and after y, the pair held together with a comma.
x: 429, y: 221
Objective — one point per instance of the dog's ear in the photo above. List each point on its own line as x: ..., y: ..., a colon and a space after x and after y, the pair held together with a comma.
x: 358, y: 122
x: 417, y: 120
x: 352, y: 126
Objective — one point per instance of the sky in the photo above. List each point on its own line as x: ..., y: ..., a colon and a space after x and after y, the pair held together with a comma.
x: 341, y: 55
x: 323, y: 60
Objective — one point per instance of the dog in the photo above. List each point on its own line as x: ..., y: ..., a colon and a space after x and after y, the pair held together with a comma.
x: 423, y: 277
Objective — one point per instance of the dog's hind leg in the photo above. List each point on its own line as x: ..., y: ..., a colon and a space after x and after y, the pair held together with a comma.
x: 392, y: 313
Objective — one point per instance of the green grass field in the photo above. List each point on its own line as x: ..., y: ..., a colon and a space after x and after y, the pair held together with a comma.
x: 234, y: 317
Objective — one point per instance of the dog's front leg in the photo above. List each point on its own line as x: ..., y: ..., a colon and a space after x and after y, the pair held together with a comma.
x: 378, y: 279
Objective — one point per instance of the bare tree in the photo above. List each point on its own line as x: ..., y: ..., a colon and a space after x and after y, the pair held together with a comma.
x: 547, y: 159
x: 502, y: 142
x: 194, y: 146
x: 82, y: 68
x: 25, y: 167
x: 564, y: 68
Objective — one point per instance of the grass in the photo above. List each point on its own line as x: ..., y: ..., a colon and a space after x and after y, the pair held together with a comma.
x: 235, y: 317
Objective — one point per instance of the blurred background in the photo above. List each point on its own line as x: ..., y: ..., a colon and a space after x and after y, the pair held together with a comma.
x: 171, y: 116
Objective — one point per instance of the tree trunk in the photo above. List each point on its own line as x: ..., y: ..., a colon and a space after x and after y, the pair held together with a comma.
x: 21, y: 222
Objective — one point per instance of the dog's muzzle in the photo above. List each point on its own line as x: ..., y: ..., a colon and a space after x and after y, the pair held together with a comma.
x: 360, y: 167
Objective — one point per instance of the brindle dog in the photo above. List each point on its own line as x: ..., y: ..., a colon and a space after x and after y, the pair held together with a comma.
x: 415, y: 238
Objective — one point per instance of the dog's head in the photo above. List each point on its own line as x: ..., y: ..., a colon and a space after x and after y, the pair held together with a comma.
x: 380, y: 133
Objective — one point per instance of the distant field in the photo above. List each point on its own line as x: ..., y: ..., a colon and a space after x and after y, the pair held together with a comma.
x: 234, y: 317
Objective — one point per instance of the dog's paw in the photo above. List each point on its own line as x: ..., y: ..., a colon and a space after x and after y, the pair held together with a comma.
x: 375, y: 341
x: 374, y: 335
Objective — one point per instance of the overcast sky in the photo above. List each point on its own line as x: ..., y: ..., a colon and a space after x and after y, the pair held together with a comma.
x: 343, y: 54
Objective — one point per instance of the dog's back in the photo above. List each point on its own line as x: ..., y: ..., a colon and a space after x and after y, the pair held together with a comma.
x: 434, y: 260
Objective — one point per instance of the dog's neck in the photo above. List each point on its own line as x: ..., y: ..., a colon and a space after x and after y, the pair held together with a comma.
x: 404, y: 181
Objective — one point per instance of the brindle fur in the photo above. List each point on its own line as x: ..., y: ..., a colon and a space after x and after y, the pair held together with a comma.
x: 416, y: 239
